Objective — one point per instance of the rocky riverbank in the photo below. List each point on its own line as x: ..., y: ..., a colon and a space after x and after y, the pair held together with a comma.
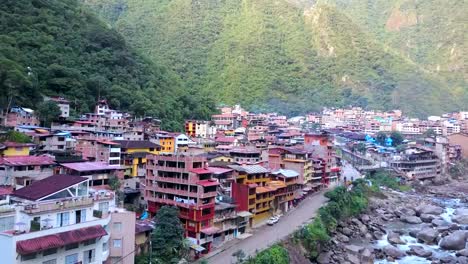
x: 427, y: 226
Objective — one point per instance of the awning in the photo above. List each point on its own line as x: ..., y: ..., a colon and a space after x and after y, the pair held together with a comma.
x: 307, y: 189
x: 210, y: 230
x: 32, y: 245
x: 197, y: 247
x: 208, y: 183
x: 244, y: 214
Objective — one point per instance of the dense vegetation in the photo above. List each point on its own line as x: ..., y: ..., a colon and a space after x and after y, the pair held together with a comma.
x: 272, y: 255
x: 342, y: 204
x: 52, y: 47
x: 291, y: 56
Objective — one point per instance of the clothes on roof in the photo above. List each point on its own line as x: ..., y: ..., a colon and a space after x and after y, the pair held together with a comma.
x: 62, y: 239
x: 47, y: 186
x: 218, y: 170
x: 90, y: 166
x: 210, y: 230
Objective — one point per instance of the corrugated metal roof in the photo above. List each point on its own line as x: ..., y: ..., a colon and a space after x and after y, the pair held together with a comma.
x: 286, y: 173
x: 47, y: 186
x: 250, y: 169
x: 29, y: 246
x: 26, y: 160
x: 90, y: 166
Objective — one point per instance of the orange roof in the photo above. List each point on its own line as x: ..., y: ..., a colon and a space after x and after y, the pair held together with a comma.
x: 276, y: 184
x: 264, y: 189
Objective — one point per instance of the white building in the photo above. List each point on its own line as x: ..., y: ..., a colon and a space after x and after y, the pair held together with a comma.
x: 60, y: 220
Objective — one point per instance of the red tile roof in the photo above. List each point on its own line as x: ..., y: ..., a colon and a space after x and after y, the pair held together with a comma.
x: 208, y: 183
x: 32, y: 245
x: 139, y: 144
x: 47, y: 186
x: 225, y: 139
x: 6, y: 189
x: 218, y: 170
x: 90, y: 166
x: 26, y: 160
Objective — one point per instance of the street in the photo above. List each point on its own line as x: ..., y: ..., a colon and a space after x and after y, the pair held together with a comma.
x: 266, y: 236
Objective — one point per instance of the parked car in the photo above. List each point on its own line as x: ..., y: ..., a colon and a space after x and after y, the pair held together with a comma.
x: 273, y: 220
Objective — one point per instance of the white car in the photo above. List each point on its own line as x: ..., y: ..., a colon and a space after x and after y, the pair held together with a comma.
x: 273, y: 220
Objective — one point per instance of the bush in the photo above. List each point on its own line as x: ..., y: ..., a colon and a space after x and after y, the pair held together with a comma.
x: 273, y: 255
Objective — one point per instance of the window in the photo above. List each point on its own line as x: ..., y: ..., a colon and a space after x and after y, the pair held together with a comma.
x: 71, y: 246
x: 71, y: 259
x: 89, y: 242
x: 7, y: 223
x: 88, y: 256
x: 63, y: 219
x: 80, y: 216
x: 48, y: 252
x: 105, y: 247
x: 28, y: 257
x: 117, y: 226
x: 104, y: 207
x: 117, y: 243
x: 52, y: 261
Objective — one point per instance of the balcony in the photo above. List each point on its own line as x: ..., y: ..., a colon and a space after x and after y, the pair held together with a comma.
x: 6, y: 209
x: 207, y: 194
x: 175, y: 191
x: 58, y: 205
x: 169, y: 169
x: 170, y: 202
x: 171, y: 179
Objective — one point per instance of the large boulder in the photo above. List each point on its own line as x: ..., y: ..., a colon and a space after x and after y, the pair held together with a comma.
x: 440, y: 222
x: 393, y: 252
x: 427, y: 218
x: 461, y: 211
x: 429, y: 209
x: 354, y: 249
x: 411, y: 219
x: 324, y: 257
x: 420, y: 251
x: 365, y: 218
x: 394, y: 239
x: 346, y: 231
x: 455, y: 241
x: 460, y: 219
x: 428, y: 235
x: 463, y: 252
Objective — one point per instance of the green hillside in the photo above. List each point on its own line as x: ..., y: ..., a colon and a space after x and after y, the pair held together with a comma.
x: 287, y: 55
x: 73, y: 54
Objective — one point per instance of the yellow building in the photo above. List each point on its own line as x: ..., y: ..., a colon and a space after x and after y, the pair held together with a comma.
x: 11, y: 149
x: 167, y: 143
x: 134, y: 155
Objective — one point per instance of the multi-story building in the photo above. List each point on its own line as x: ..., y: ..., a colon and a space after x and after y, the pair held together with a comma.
x: 133, y: 155
x: 63, y: 104
x: 417, y: 163
x: 97, y: 172
x: 21, y: 171
x: 60, y: 141
x: 20, y: 116
x: 299, y: 160
x: 61, y: 220
x: 14, y: 149
x: 199, y: 129
x: 244, y: 155
x: 166, y: 141
x: 321, y: 145
x: 184, y: 181
x: 99, y: 150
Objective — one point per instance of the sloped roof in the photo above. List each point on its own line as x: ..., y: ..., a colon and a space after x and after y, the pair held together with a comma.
x: 47, y: 186
x: 136, y: 144
x: 26, y: 160
x: 250, y: 169
x: 286, y: 173
x: 90, y: 166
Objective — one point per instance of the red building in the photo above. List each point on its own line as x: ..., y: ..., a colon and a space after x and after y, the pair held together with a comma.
x: 321, y: 144
x: 185, y: 182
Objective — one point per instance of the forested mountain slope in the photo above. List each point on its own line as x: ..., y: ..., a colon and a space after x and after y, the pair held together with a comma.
x: 288, y: 55
x: 72, y: 53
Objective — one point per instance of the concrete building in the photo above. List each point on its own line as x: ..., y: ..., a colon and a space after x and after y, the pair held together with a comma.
x: 99, y: 150
x: 21, y: 171
x: 417, y: 163
x: 63, y: 104
x: 185, y: 182
x: 61, y: 220
x: 97, y: 172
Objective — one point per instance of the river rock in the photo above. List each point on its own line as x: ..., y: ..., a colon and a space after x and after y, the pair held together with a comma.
x: 363, y: 229
x: 353, y: 249
x: 343, y: 238
x: 440, y: 222
x: 324, y: 257
x: 353, y: 258
x: 365, y: 218
x: 461, y: 211
x: 347, y: 231
x: 393, y: 252
x: 448, y: 259
x: 427, y: 218
x: 428, y: 235
x: 462, y: 260
x: 411, y: 219
x: 378, y: 234
x: 460, y: 219
x: 429, y: 209
x: 420, y: 251
x: 394, y: 239
x: 455, y: 241
x: 463, y: 252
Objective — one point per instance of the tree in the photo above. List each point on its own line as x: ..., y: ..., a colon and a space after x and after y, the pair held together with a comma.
x: 17, y: 137
x: 48, y: 111
x: 361, y: 147
x: 167, y: 240
x: 430, y: 133
x: 380, y: 138
x: 239, y: 255
x: 114, y: 183
x: 397, y: 138
x: 273, y: 255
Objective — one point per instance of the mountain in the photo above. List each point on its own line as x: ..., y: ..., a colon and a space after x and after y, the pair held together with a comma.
x: 60, y: 47
x: 295, y: 56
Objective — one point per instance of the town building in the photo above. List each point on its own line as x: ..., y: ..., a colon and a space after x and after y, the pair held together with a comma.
x: 99, y: 150
x: 60, y: 219
x: 184, y: 181
x: 20, y: 171
x: 63, y: 104
x: 97, y: 172
x: 417, y: 163
x: 133, y: 155
x: 20, y: 116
